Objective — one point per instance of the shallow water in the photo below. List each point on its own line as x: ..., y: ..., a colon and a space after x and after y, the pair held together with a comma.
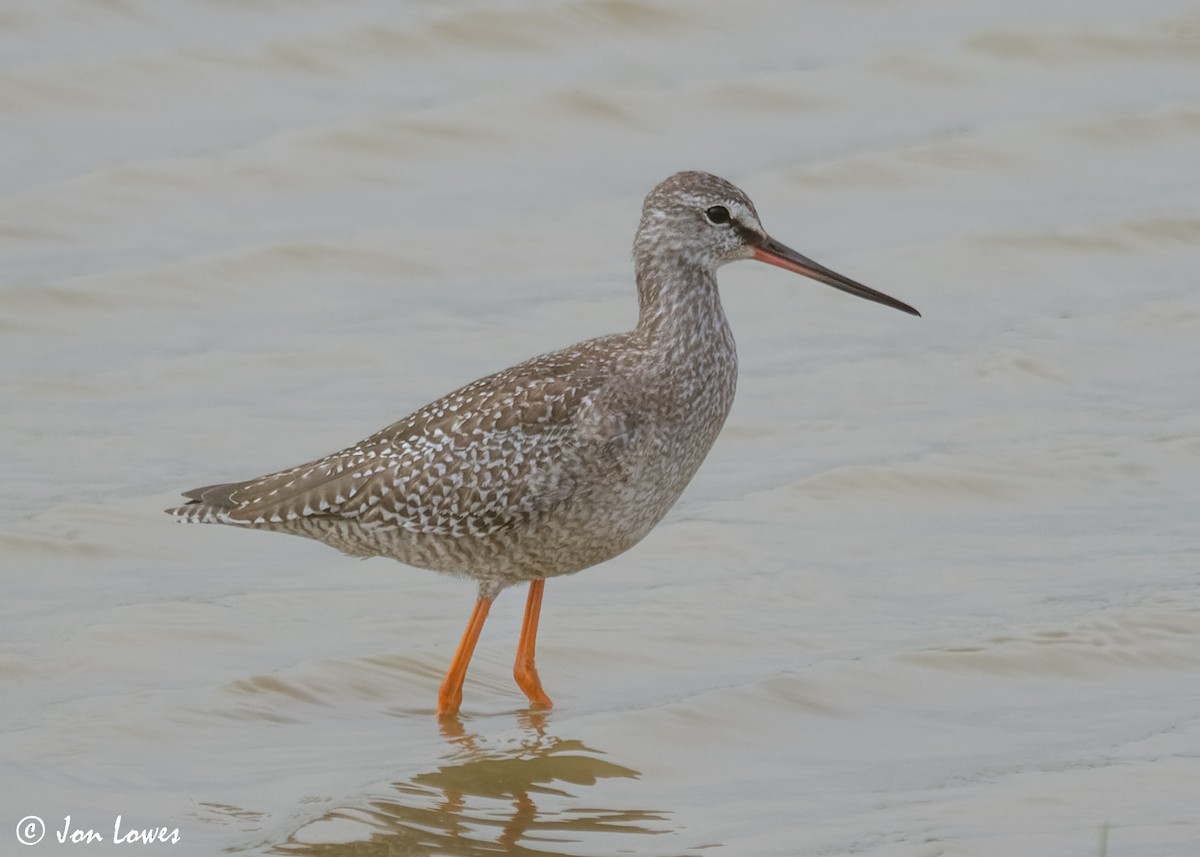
x: 935, y: 590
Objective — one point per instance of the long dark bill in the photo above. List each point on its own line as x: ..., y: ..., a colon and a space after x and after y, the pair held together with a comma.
x: 774, y: 253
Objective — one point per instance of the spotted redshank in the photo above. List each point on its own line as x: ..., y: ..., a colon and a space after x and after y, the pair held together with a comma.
x: 558, y: 463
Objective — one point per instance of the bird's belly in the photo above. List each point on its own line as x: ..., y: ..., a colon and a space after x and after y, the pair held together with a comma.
x: 610, y: 507
x: 601, y: 502
x: 575, y: 536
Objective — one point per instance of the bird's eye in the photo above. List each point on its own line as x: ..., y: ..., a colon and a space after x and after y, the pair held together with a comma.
x: 717, y: 214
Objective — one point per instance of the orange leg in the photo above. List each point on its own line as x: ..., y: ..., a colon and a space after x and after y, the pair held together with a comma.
x: 450, y: 693
x: 523, y: 670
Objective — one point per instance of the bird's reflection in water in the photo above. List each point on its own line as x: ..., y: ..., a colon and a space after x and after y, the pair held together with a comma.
x: 520, y: 800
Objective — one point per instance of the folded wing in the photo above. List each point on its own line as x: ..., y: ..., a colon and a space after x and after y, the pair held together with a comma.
x: 487, y: 457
